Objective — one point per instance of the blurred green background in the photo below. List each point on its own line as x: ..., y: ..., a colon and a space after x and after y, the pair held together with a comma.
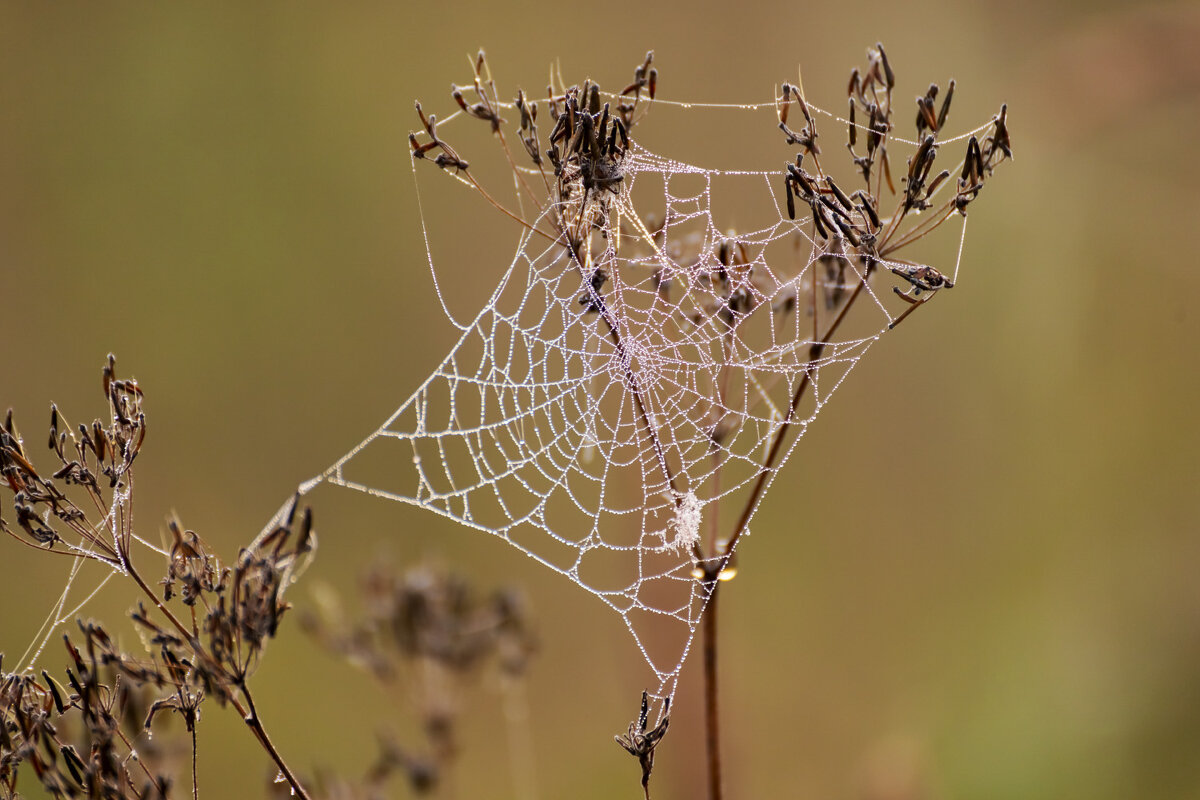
x: 990, y: 590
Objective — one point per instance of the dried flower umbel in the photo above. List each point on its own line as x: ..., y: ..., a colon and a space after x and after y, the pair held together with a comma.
x: 207, y: 648
x: 97, y: 459
x: 718, y: 287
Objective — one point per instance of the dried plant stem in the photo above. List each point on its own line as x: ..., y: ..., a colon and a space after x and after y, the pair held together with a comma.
x: 564, y: 238
x: 166, y: 612
x: 643, y: 415
x: 712, y: 725
x: 634, y: 384
x: 710, y: 621
x: 141, y: 764
x: 503, y: 210
x: 930, y: 224
x: 195, y: 779
x: 250, y: 715
x: 518, y: 175
x: 764, y: 472
x: 255, y: 722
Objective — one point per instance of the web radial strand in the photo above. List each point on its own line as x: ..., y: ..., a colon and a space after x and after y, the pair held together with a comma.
x: 610, y: 414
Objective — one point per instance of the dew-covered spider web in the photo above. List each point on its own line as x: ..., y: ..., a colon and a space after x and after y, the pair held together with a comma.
x: 619, y: 405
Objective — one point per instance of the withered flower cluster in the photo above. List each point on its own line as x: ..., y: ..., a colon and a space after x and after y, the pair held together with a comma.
x: 433, y: 632
x: 84, y: 738
x: 96, y: 460
x: 588, y: 142
x: 207, y: 648
x: 851, y: 224
x: 241, y: 606
x: 855, y: 225
x: 640, y: 740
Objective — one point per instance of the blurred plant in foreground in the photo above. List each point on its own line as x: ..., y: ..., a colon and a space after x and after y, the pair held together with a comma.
x: 432, y: 633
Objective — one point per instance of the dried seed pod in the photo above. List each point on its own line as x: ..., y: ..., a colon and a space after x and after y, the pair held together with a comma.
x: 889, y: 76
x: 941, y: 117
x: 853, y: 129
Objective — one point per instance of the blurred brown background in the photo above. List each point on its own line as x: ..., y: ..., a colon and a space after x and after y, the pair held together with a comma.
x: 991, y: 590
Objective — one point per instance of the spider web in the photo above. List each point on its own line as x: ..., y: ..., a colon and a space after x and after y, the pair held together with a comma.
x: 613, y: 432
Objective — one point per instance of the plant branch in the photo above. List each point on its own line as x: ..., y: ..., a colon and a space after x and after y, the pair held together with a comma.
x: 760, y: 484
x: 250, y: 715
x: 712, y: 727
x: 255, y: 722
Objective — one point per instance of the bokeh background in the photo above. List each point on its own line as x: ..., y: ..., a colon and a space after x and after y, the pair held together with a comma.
x: 976, y: 577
